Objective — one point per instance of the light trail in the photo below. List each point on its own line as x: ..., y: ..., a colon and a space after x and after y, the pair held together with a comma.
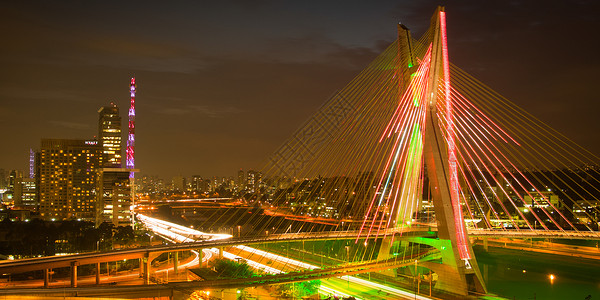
x: 329, y: 291
x: 352, y: 279
x: 165, y: 227
x: 178, y: 233
x: 251, y: 263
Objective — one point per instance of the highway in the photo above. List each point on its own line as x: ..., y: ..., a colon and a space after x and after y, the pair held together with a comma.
x: 303, y: 272
x: 190, y: 239
x: 131, y: 277
x: 181, y: 234
x: 284, y: 268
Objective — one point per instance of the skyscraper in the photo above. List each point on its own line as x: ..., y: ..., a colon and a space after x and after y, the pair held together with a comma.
x: 109, y: 135
x: 113, y: 186
x: 67, y: 178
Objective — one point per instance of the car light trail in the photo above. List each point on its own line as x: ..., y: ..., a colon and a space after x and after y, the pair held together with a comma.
x: 251, y: 263
x: 329, y: 291
x: 180, y: 234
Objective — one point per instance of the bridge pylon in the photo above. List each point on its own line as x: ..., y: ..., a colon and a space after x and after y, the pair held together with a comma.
x: 458, y: 272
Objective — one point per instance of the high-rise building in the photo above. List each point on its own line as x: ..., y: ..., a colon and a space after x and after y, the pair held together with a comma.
x: 3, y: 179
x: 113, y: 200
x: 109, y: 135
x: 196, y: 182
x: 12, y: 179
x: 178, y: 183
x: 241, y: 179
x: 8, y: 197
x: 67, y: 178
x: 253, y: 181
x: 25, y: 196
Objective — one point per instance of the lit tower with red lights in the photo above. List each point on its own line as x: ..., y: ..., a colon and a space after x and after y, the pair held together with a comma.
x: 130, y: 163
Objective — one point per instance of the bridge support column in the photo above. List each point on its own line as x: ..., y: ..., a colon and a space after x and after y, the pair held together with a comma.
x: 384, y: 253
x: 145, y: 262
x: 176, y: 262
x: 485, y: 244
x: 146, y: 265
x: 74, y: 274
x: 200, y: 254
x: 97, y: 273
x: 46, y: 278
x: 220, y: 252
x: 141, y: 267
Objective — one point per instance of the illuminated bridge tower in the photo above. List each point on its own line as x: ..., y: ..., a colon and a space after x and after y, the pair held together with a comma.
x: 435, y: 148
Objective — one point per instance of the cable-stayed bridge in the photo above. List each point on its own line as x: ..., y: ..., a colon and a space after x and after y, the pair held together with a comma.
x: 414, y: 139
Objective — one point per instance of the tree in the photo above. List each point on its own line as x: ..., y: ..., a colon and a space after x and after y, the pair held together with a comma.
x: 300, y: 289
x: 124, y: 235
x: 231, y: 269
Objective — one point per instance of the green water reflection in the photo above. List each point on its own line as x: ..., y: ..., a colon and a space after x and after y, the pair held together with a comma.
x: 515, y: 274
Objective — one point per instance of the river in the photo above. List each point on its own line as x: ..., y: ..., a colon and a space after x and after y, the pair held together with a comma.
x: 516, y: 274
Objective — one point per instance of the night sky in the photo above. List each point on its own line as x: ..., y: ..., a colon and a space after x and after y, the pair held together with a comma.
x: 222, y: 84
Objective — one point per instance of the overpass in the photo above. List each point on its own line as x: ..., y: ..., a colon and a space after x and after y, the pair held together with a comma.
x: 147, y: 254
x: 169, y: 288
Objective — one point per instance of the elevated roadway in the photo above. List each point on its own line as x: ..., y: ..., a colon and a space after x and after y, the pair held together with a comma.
x: 50, y: 262
x: 168, y: 289
x: 42, y: 263
x: 528, y: 233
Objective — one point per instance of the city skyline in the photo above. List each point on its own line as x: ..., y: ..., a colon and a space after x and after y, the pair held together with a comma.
x: 222, y: 86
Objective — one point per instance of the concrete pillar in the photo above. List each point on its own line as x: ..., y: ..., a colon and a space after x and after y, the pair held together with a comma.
x: 485, y: 244
x: 74, y: 273
x: 146, y: 268
x: 46, y: 278
x: 384, y: 253
x: 176, y: 262
x: 200, y: 254
x: 98, y: 273
x: 141, y: 267
x: 220, y: 252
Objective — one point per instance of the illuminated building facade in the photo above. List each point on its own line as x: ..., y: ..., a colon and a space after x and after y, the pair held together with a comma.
x: 25, y: 196
x: 114, y: 197
x: 67, y: 178
x: 109, y: 135
x: 196, y: 182
x: 178, y: 183
x: 253, y: 181
x: 241, y: 179
x: 3, y: 180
